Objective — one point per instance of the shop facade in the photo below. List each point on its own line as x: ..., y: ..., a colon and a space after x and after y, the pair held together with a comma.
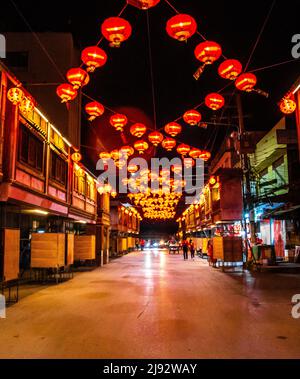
x: 48, y: 201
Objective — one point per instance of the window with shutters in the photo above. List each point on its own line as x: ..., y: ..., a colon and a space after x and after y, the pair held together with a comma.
x: 31, y: 149
x: 58, y: 169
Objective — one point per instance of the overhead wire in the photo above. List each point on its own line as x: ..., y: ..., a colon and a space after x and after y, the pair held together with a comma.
x: 151, y: 72
x: 260, y: 34
x: 276, y: 65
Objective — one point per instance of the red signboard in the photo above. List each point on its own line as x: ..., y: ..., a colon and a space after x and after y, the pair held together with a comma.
x: 278, y: 240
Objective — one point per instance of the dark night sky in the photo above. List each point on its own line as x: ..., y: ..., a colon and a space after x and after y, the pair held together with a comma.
x: 125, y: 80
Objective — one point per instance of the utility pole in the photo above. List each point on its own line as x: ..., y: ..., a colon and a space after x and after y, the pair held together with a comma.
x: 246, y: 175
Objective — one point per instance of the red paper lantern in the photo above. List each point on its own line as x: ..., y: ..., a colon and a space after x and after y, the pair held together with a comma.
x: 183, y: 150
x: 132, y: 168
x: 116, y: 30
x: 115, y: 154
x: 93, y: 57
x: 230, y: 69
x: 120, y: 164
x: 177, y: 169
x: 141, y: 146
x: 118, y: 121
x: 192, y: 117
x: 195, y: 153
x: 127, y: 151
x: 208, y: 52
x: 288, y: 104
x: 205, y: 155
x: 76, y: 157
x: 181, y: 27
x: 155, y: 138
x: 94, y: 110
x: 188, y: 162
x: 246, y: 82
x: 143, y: 4
x: 214, y: 101
x: 66, y: 92
x: 173, y: 128
x: 78, y: 77
x: 27, y: 105
x: 138, y: 130
x: 105, y: 156
x: 169, y: 144
x: 15, y: 95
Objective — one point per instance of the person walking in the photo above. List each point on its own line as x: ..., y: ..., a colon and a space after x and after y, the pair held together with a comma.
x: 210, y: 253
x: 142, y: 244
x: 185, y: 248
x: 192, y: 250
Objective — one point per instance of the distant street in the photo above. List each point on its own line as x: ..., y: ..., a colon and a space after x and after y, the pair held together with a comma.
x: 155, y: 305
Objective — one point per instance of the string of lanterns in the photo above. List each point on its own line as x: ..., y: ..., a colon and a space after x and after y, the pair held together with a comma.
x: 181, y: 27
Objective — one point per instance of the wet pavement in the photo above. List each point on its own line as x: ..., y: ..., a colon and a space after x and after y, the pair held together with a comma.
x: 155, y: 305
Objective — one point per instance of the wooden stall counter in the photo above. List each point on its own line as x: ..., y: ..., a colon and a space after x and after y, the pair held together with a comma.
x: 84, y: 248
x: 47, y: 250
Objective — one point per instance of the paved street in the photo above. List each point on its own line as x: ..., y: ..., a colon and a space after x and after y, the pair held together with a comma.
x: 153, y: 305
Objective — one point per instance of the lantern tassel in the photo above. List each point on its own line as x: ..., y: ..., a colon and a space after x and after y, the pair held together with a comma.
x: 199, y: 72
x: 261, y: 92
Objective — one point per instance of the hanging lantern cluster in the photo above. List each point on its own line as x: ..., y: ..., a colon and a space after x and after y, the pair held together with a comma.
x: 17, y: 97
x: 105, y: 156
x: 126, y: 151
x: 181, y: 27
x: 159, y: 203
x: 116, y: 30
x: 107, y: 188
